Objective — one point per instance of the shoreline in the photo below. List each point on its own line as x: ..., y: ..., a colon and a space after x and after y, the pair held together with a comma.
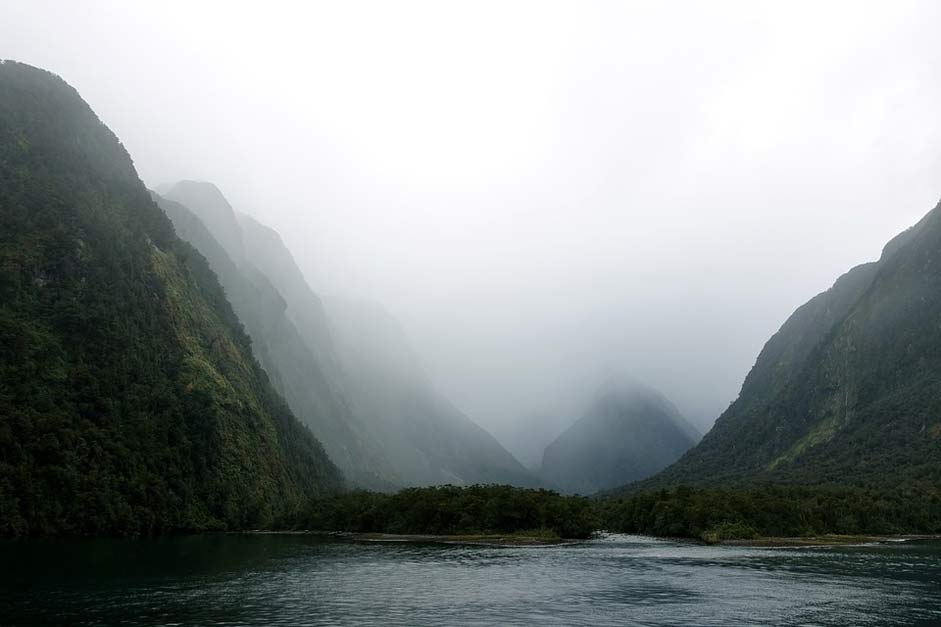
x: 478, y: 539
x: 524, y: 540
x: 826, y: 540
x: 485, y: 539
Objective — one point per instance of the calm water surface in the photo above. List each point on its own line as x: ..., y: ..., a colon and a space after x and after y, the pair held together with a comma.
x: 615, y: 580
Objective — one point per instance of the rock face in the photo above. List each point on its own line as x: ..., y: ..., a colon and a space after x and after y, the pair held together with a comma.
x: 346, y: 368
x: 849, y: 390
x: 629, y: 433
x: 130, y: 400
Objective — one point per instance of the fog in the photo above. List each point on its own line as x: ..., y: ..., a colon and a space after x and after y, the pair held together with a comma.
x: 544, y: 194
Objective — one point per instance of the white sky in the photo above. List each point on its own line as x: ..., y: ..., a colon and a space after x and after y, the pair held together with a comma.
x: 542, y: 192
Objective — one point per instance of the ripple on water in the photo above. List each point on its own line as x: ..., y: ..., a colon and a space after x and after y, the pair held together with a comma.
x: 614, y: 580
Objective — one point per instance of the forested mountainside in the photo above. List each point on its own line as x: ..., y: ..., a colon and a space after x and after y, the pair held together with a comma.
x: 630, y: 432
x: 287, y: 357
x: 129, y: 397
x: 848, y: 391
x: 383, y: 416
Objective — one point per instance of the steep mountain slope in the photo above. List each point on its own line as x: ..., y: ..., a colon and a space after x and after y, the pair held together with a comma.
x: 129, y: 397
x: 629, y: 433
x: 385, y: 417
x: 428, y: 439
x: 258, y: 251
x: 268, y: 253
x: 284, y: 354
x: 849, y: 390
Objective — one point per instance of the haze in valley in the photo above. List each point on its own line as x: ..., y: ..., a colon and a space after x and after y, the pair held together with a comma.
x: 545, y: 195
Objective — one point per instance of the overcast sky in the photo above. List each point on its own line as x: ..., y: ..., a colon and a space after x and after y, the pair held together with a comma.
x: 543, y: 193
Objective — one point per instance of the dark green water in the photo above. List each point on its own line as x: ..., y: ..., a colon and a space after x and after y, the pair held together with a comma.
x: 617, y: 580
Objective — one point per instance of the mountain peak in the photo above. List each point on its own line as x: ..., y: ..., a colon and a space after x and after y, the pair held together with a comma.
x: 629, y: 432
x: 208, y: 203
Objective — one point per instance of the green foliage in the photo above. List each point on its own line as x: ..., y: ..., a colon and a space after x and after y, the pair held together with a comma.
x: 848, y: 391
x: 289, y: 360
x: 129, y: 398
x: 451, y: 510
x: 729, y: 531
x: 715, y: 514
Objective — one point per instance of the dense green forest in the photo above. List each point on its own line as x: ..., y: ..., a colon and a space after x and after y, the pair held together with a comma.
x: 130, y: 401
x: 708, y: 514
x: 449, y: 510
x: 848, y: 391
x: 715, y: 514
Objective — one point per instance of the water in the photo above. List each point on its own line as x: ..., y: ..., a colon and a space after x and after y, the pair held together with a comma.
x: 615, y: 580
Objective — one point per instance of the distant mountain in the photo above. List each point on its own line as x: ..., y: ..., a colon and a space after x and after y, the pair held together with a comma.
x: 129, y: 397
x: 348, y: 372
x: 267, y: 252
x: 849, y: 390
x: 286, y: 356
x: 527, y: 436
x: 630, y: 432
x: 428, y: 440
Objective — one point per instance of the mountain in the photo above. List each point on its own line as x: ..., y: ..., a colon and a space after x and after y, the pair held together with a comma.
x: 429, y: 441
x: 267, y: 251
x: 629, y: 433
x: 286, y: 356
x: 351, y: 376
x: 527, y: 436
x: 848, y: 391
x: 129, y: 397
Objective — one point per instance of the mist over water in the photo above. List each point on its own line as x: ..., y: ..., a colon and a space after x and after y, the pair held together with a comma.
x: 545, y: 195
